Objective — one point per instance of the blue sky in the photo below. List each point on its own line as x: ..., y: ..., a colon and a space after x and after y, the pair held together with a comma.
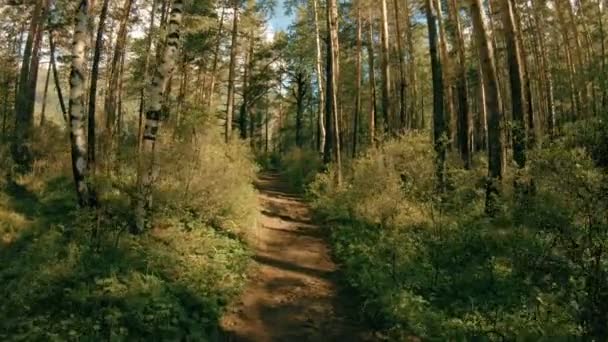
x: 279, y: 20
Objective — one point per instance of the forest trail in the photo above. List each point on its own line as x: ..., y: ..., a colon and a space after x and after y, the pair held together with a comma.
x: 293, y: 294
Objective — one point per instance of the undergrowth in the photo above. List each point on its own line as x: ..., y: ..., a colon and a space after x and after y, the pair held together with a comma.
x: 436, y: 267
x: 77, y: 275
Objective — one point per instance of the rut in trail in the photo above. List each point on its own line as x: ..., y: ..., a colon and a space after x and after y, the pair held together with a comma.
x: 292, y: 295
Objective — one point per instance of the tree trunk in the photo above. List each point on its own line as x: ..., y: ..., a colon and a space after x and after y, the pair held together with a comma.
x: 333, y: 69
x: 216, y: 55
x: 46, y: 91
x: 142, y: 93
x: 56, y: 77
x: 86, y: 197
x: 231, y: 72
x: 112, y: 93
x: 448, y: 99
x: 373, y: 110
x: 439, y: 124
x: 464, y: 114
x: 402, y: 77
x: 416, y: 120
x: 358, y: 82
x: 23, y: 100
x: 515, y: 80
x: 321, y: 136
x: 545, y: 68
x: 93, y: 90
x: 386, y: 76
x: 495, y: 135
x: 156, y: 91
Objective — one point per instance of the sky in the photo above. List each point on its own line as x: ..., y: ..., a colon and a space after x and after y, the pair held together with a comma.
x: 279, y: 21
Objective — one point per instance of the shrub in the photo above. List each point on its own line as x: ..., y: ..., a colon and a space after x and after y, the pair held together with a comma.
x: 300, y: 166
x: 435, y: 267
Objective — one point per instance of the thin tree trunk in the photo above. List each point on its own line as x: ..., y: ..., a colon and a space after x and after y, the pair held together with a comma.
x: 516, y: 82
x: 333, y: 69
x: 142, y: 94
x: 23, y: 117
x: 386, y: 76
x: 56, y: 77
x: 464, y: 114
x: 321, y: 137
x: 495, y: 135
x: 439, y: 124
x: 231, y: 72
x: 448, y: 99
x: 93, y: 91
x: 46, y: 91
x: 86, y: 197
x: 358, y: 82
x: 112, y: 93
x: 216, y: 55
x: 402, y: 77
x: 158, y: 84
x: 373, y: 110
x: 416, y: 120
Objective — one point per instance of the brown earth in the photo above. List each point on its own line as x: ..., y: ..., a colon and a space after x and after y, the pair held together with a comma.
x: 293, y: 294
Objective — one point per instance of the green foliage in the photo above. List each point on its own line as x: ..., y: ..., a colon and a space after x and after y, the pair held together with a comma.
x: 71, y: 274
x: 436, y: 267
x: 205, y: 178
x: 299, y: 167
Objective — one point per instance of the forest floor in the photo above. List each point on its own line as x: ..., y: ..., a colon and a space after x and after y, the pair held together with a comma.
x: 293, y: 294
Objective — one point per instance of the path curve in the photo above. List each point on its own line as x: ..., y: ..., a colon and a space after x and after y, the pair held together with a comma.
x: 292, y: 295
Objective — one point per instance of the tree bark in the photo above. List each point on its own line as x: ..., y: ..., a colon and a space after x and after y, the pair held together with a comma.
x: 386, y: 76
x: 516, y: 82
x: 321, y: 136
x: 112, y: 93
x: 439, y: 124
x: 156, y: 92
x: 402, y: 77
x: 358, y: 81
x: 373, y: 110
x: 464, y: 114
x: 216, y: 55
x: 231, y: 72
x: 333, y: 69
x: 86, y: 197
x: 495, y: 134
x: 56, y: 77
x: 44, y: 95
x: 93, y: 91
x: 142, y: 93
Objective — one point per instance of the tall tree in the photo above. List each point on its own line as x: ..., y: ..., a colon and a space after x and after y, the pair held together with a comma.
x: 358, y: 80
x: 156, y: 93
x: 493, y: 101
x: 516, y: 82
x: 112, y: 93
x: 332, y: 146
x: 321, y: 135
x: 373, y: 107
x: 80, y: 167
x: 93, y: 91
x: 402, y: 76
x: 464, y: 114
x: 385, y: 66
x: 231, y: 70
x: 439, y: 124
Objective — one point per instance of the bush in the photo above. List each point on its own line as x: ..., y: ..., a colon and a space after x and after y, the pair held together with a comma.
x: 438, y: 268
x: 61, y: 281
x: 299, y: 167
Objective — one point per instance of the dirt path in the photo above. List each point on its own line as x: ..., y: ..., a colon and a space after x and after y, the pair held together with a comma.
x: 293, y: 294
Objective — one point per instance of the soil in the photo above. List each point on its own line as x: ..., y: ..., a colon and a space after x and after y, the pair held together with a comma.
x: 293, y: 294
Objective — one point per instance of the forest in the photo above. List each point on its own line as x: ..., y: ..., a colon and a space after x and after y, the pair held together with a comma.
x: 368, y: 170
